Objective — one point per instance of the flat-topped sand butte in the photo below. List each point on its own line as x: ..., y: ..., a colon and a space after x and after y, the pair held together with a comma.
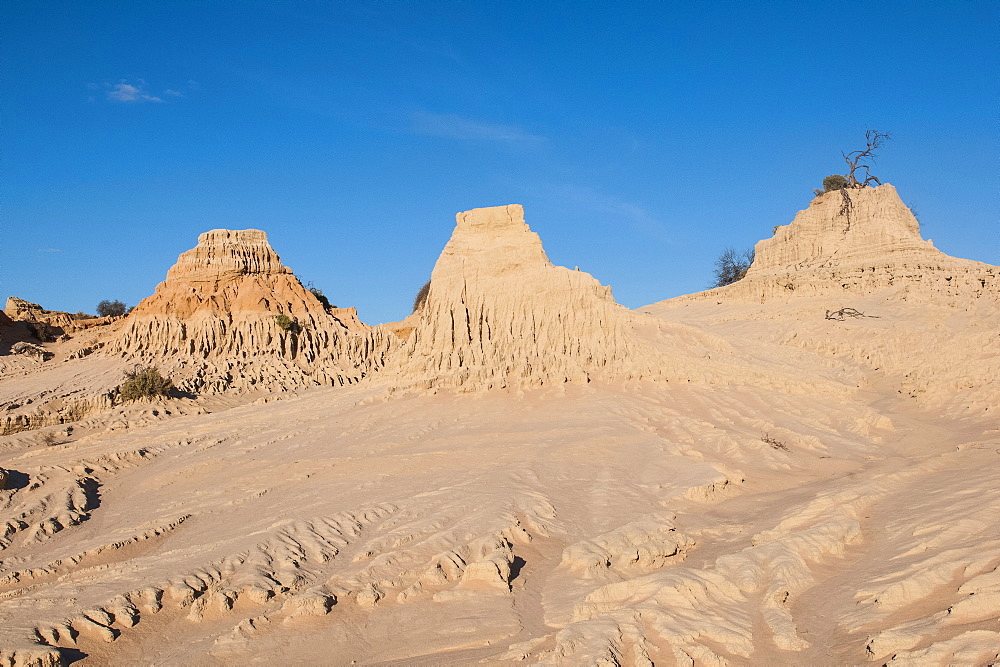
x: 523, y: 470
x: 218, y: 311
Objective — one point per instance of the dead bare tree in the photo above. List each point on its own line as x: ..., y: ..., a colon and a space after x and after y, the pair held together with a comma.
x: 864, y: 159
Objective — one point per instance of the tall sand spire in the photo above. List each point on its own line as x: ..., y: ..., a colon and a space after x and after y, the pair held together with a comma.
x: 500, y: 314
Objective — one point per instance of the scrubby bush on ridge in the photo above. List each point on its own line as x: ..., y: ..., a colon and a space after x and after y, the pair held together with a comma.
x: 421, y: 295
x: 834, y: 182
x: 318, y: 293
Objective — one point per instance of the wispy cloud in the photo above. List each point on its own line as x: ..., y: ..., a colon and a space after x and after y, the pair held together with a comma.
x: 137, y: 91
x: 50, y: 250
x: 440, y: 49
x: 640, y: 219
x: 127, y: 92
x: 453, y: 126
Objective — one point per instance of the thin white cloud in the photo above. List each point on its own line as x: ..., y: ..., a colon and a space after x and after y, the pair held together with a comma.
x: 640, y: 219
x: 131, y: 92
x: 50, y: 250
x: 126, y: 92
x: 453, y: 126
x: 440, y: 49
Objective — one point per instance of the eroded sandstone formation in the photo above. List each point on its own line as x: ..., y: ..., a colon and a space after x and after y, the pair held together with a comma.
x: 20, y: 310
x: 500, y: 314
x: 231, y: 315
x: 31, y: 350
x: 45, y: 325
x: 854, y: 261
x: 856, y: 241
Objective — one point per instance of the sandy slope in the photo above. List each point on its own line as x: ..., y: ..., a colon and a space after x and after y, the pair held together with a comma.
x: 621, y: 522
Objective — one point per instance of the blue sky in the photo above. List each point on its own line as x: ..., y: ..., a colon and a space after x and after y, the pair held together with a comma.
x: 641, y: 137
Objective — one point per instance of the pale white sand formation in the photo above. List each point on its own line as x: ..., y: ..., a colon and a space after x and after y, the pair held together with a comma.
x: 523, y: 470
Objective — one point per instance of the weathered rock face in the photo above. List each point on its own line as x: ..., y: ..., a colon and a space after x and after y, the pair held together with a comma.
x: 222, y: 252
x: 859, y: 245
x: 46, y: 325
x: 500, y: 314
x: 31, y: 350
x: 847, y: 226
x: 214, y: 323
x: 20, y: 310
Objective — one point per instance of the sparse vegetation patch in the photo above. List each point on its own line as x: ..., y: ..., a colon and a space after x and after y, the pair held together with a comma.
x: 285, y: 323
x: 144, y: 382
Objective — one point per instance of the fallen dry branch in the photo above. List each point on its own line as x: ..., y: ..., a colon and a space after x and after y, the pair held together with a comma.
x: 774, y: 442
x: 839, y: 315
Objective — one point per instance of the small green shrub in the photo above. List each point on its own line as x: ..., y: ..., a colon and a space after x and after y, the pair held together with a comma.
x: 284, y: 322
x: 421, y: 296
x: 834, y: 182
x: 144, y: 382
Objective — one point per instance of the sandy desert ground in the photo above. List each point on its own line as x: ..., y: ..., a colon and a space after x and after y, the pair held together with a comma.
x: 522, y: 470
